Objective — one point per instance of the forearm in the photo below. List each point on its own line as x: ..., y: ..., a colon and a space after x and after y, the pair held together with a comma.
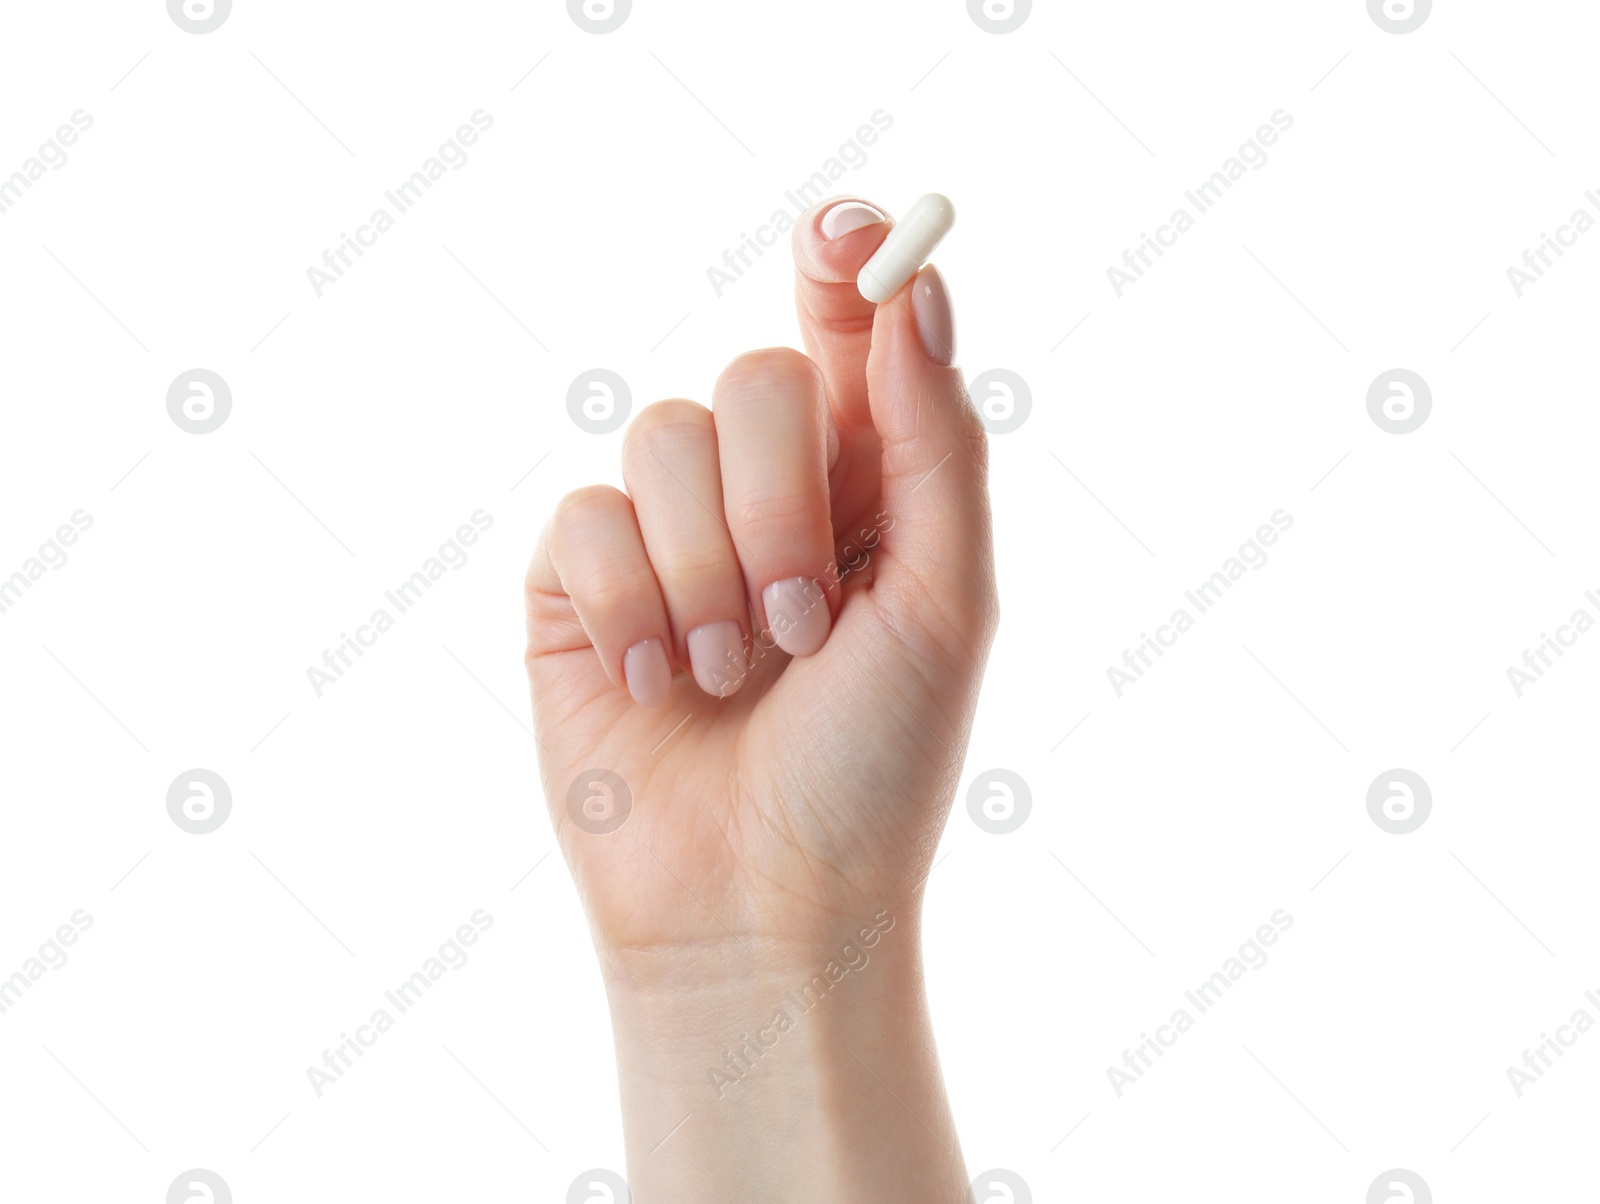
x: 785, y: 1076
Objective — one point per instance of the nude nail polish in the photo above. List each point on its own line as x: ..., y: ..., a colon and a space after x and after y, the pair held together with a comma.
x: 717, y: 657
x: 936, y: 323
x: 797, y: 615
x: 649, y: 677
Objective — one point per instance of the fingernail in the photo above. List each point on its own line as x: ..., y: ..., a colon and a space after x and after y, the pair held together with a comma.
x: 797, y: 615
x: 847, y: 216
x: 649, y: 678
x: 716, y: 654
x: 935, y: 321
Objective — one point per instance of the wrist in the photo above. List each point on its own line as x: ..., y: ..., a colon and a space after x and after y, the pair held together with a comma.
x: 836, y: 948
x: 787, y: 1073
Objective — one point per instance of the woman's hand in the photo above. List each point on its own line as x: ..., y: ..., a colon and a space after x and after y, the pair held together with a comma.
x: 762, y: 662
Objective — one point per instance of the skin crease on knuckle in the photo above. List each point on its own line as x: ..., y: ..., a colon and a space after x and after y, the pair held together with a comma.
x: 663, y: 430
x: 768, y: 369
x: 775, y: 515
x: 747, y: 842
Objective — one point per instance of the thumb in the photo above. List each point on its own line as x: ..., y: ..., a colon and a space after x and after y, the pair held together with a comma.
x: 935, y: 564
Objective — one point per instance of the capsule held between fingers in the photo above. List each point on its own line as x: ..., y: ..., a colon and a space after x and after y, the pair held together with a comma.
x: 906, y: 248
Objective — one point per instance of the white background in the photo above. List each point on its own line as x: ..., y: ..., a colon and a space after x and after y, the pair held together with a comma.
x: 430, y: 382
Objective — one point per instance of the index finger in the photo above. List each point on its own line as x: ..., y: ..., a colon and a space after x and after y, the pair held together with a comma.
x: 832, y: 241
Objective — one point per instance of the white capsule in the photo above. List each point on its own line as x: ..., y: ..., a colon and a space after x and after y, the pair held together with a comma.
x: 907, y: 248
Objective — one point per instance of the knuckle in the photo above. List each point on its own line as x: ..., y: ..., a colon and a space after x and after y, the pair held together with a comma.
x: 589, y: 503
x: 690, y: 570
x: 664, y: 429
x: 969, y: 427
x: 776, y: 514
x: 603, y: 593
x: 759, y: 373
x: 853, y: 318
x: 972, y: 428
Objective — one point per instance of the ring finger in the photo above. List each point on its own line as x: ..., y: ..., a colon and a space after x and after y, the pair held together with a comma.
x: 669, y: 462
